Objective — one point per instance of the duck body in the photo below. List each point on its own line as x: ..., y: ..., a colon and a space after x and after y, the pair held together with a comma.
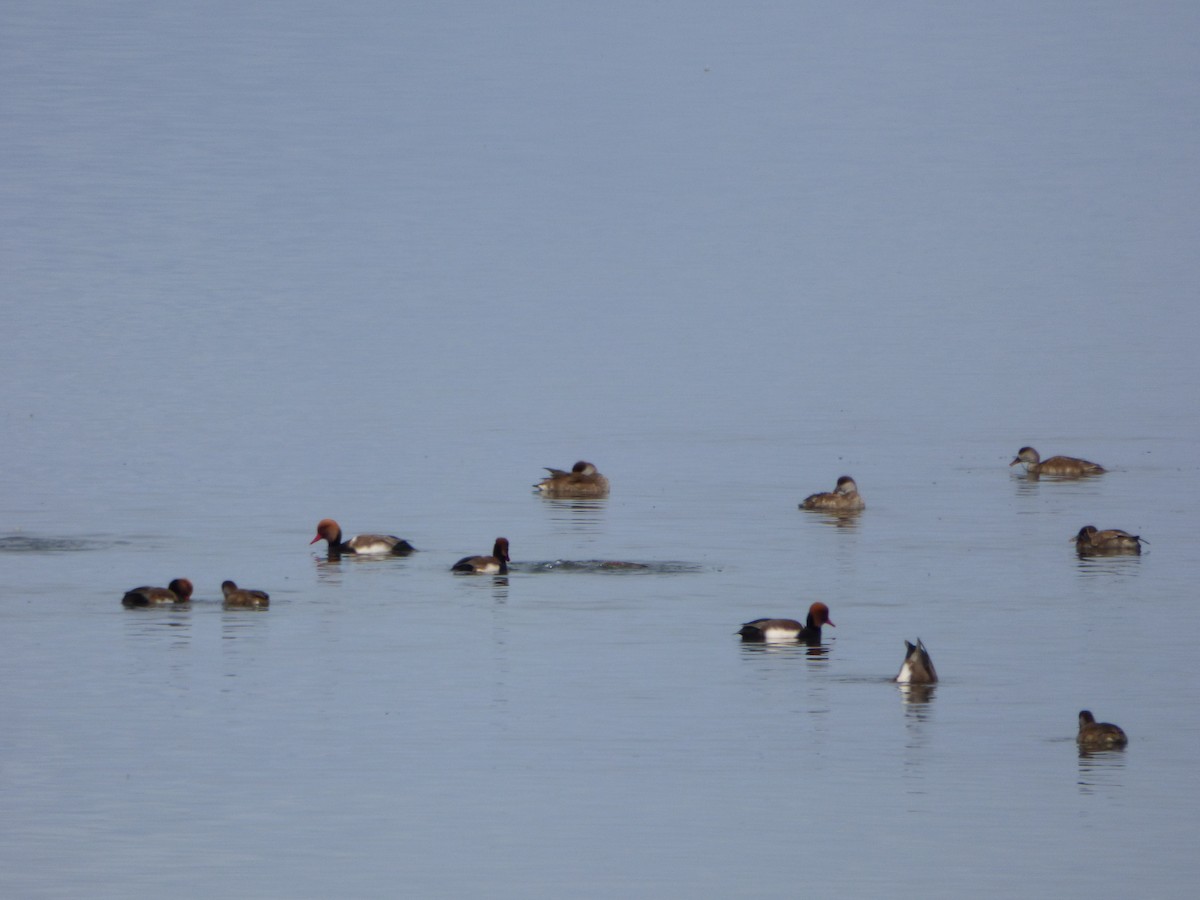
x: 1111, y: 542
x: 581, y: 482
x: 775, y: 631
x: 917, y: 667
x: 496, y: 564
x: 1095, y: 735
x: 843, y: 497
x: 179, y: 591
x: 360, y: 545
x: 1064, y: 466
x: 236, y: 597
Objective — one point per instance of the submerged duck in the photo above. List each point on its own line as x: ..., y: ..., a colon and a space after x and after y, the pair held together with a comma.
x: 178, y: 591
x: 1110, y: 542
x: 783, y: 630
x: 917, y: 667
x: 845, y: 497
x: 1095, y: 735
x: 361, y: 545
x: 1055, y: 465
x: 582, y: 481
x: 236, y: 596
x: 496, y: 564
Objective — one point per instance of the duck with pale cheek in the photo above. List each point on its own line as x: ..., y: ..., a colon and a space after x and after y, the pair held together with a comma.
x: 777, y: 631
x: 1064, y: 466
x: 843, y: 497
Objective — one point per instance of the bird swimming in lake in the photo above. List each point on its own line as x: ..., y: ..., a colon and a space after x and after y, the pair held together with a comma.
x: 496, y: 564
x: 917, y: 667
x: 1110, y: 542
x: 582, y: 481
x: 243, y: 598
x: 179, y: 591
x: 360, y: 545
x: 1095, y: 735
x: 789, y: 630
x: 844, y: 497
x: 1065, y: 466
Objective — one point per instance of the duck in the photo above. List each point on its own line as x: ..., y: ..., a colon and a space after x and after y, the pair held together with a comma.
x: 241, y: 597
x: 177, y: 592
x: 917, y: 667
x: 582, y: 481
x: 1056, y: 465
x: 1110, y: 542
x: 844, y: 496
x: 783, y: 630
x: 496, y: 564
x: 360, y: 545
x: 1095, y: 735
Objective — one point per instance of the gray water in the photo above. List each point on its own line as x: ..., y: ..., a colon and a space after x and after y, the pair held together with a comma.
x: 267, y: 263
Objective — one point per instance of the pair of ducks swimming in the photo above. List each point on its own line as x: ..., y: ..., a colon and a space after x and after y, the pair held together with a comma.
x: 917, y: 667
x: 179, y: 592
x: 845, y: 495
x: 390, y: 545
x: 1090, y: 541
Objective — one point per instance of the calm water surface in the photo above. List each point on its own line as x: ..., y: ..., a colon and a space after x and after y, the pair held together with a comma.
x: 267, y: 265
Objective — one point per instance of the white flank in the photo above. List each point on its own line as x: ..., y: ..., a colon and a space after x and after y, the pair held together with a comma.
x: 779, y: 634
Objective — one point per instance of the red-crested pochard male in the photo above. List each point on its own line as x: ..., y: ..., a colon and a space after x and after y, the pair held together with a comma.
x: 917, y: 667
x: 582, y: 481
x: 361, y: 545
x: 1095, y: 735
x: 178, y: 591
x: 844, y: 497
x: 239, y: 597
x: 1110, y: 542
x: 789, y: 630
x: 1067, y: 466
x: 496, y: 564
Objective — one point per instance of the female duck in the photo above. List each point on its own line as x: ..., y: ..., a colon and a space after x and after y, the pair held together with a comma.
x: 1095, y: 735
x: 178, y: 591
x: 582, y: 481
x: 1067, y: 466
x: 363, y: 544
x: 241, y: 598
x: 788, y: 630
x: 1110, y: 542
x: 496, y: 564
x: 917, y: 667
x: 844, y: 497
